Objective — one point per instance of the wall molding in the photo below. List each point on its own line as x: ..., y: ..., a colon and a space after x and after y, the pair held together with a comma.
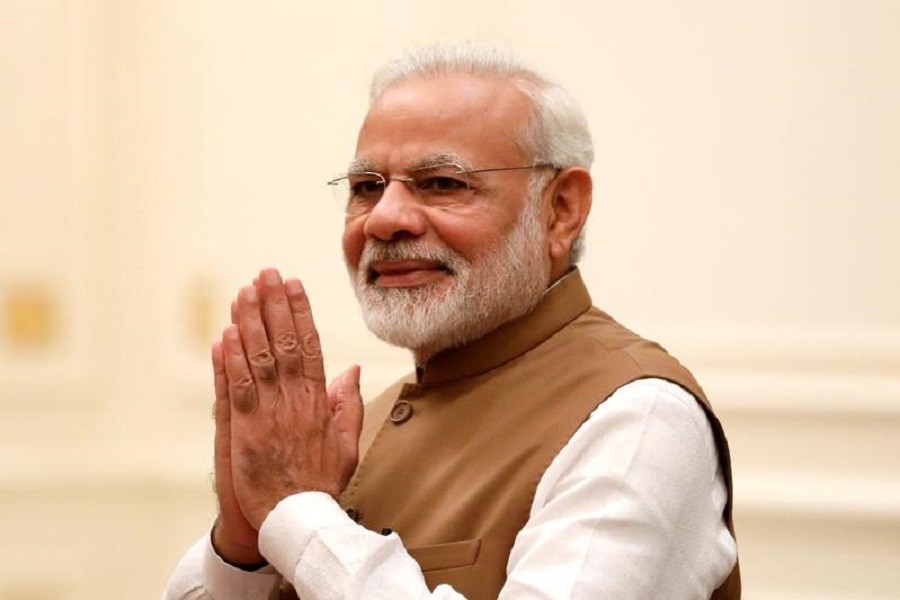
x: 816, y: 497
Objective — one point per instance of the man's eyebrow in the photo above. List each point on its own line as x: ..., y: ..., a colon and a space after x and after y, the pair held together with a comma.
x: 361, y: 164
x: 438, y: 159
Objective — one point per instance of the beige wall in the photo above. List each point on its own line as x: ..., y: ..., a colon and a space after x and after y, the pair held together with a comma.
x: 156, y: 154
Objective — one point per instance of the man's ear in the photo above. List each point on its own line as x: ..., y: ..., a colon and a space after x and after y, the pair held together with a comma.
x: 570, y: 204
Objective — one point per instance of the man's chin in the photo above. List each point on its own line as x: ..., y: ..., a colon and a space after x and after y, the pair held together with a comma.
x: 413, y: 317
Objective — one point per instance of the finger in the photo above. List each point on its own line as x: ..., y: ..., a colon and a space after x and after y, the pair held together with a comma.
x: 241, y: 388
x: 255, y: 341
x: 347, y: 416
x: 222, y: 412
x: 347, y: 406
x: 310, y: 347
x: 220, y: 385
x: 279, y: 324
x: 234, y: 312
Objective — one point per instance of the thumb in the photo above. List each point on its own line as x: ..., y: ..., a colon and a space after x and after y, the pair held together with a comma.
x: 347, y: 405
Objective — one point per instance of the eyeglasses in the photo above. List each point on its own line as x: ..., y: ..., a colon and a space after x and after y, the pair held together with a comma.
x: 441, y: 185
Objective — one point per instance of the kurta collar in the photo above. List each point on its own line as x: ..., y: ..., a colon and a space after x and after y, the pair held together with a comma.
x: 566, y: 299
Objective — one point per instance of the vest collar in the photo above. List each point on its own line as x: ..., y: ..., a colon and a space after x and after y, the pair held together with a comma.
x: 563, y: 301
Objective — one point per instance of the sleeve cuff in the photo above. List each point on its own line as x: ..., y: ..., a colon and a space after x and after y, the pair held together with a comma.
x: 225, y: 582
x: 288, y: 530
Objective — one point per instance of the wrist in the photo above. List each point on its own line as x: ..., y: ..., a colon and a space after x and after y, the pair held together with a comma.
x: 241, y: 556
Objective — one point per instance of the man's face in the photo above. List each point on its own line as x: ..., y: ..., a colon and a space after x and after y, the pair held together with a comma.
x: 433, y: 276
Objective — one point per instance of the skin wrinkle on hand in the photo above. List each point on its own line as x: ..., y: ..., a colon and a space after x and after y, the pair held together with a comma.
x: 298, y: 435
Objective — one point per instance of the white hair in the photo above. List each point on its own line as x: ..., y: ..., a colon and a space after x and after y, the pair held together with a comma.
x: 557, y: 132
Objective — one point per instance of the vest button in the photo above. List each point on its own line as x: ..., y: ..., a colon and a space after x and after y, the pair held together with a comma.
x: 401, y: 412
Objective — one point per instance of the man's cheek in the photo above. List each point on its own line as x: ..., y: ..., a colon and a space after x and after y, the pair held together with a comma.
x: 353, y: 249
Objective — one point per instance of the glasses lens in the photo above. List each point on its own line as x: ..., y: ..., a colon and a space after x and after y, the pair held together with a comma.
x: 340, y: 191
x: 357, y: 192
x: 440, y: 183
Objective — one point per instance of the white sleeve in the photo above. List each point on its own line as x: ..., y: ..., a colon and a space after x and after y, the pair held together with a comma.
x: 202, y: 575
x: 631, y: 508
x: 327, y: 556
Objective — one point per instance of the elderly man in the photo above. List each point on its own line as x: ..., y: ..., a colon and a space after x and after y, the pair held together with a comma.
x: 540, y: 449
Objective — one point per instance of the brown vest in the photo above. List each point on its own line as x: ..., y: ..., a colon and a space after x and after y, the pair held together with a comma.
x: 454, y: 458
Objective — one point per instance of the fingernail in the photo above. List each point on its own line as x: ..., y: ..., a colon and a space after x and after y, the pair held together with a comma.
x: 250, y: 294
x: 272, y: 277
x: 231, y: 332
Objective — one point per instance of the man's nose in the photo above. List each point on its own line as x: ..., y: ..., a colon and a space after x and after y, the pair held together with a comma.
x: 397, y: 214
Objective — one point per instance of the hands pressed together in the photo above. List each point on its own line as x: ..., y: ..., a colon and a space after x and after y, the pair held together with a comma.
x: 278, y: 430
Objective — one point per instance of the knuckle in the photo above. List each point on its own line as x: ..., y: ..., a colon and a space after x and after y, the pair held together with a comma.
x: 311, y: 347
x: 263, y: 358
x: 278, y: 301
x: 286, y: 342
x: 243, y: 395
x: 242, y: 384
x: 263, y: 364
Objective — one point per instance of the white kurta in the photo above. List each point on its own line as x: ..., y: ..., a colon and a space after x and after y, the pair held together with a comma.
x: 631, y: 508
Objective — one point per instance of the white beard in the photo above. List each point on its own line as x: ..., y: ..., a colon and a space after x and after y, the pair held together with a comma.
x: 502, y: 284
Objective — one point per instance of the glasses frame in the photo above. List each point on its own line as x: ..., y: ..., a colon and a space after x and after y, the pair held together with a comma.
x: 460, y: 170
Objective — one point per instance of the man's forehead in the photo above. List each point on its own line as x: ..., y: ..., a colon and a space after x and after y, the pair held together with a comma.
x: 476, y: 119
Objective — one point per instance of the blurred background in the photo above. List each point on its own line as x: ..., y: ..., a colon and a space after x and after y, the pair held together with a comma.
x: 154, y: 155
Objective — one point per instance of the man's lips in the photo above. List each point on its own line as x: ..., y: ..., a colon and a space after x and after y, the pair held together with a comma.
x: 405, y: 273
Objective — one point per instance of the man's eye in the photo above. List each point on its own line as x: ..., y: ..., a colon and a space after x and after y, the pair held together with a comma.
x: 440, y: 184
x: 366, y: 188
